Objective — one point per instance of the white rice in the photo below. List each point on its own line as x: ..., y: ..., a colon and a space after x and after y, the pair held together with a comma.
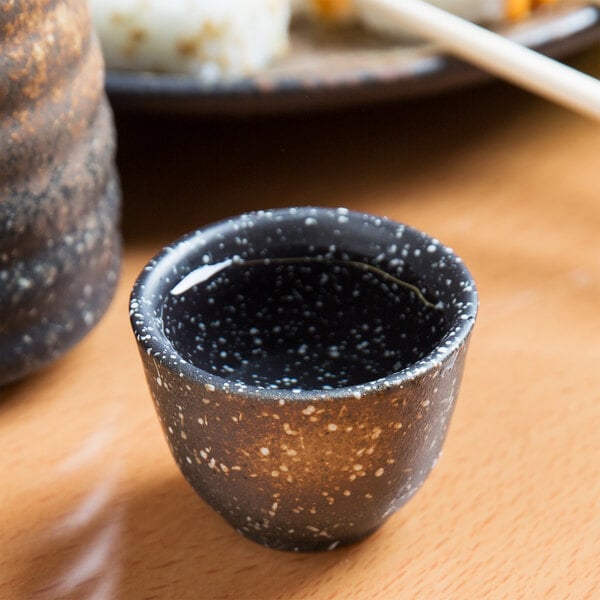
x: 212, y: 39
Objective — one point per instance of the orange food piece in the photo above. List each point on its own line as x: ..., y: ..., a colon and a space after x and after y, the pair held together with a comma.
x: 518, y: 9
x: 332, y: 9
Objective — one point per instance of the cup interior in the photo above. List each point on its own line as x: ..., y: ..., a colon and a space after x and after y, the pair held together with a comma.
x: 308, y: 324
x: 309, y: 299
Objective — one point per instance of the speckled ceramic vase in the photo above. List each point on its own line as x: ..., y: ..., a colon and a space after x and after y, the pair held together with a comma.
x: 59, y: 197
x: 304, y: 364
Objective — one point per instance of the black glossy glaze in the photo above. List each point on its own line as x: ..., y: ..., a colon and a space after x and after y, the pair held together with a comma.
x: 308, y: 325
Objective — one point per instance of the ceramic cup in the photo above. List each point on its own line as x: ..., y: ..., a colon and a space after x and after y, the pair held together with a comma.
x: 304, y: 364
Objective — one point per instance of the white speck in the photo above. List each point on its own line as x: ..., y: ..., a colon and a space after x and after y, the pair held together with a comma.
x: 188, y: 459
x: 159, y: 381
x: 379, y: 472
x: 265, y: 451
x: 417, y: 252
x: 310, y: 221
x: 333, y: 352
x: 357, y: 467
x: 357, y: 395
x: 332, y: 427
x: 333, y: 545
x: 209, y: 387
x: 309, y: 410
x: 288, y: 430
x: 431, y: 248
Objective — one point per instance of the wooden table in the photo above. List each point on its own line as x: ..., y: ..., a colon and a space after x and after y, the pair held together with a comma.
x: 92, y: 504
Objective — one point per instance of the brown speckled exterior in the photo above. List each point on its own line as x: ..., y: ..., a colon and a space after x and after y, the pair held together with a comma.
x: 312, y: 473
x: 59, y: 195
x: 295, y: 468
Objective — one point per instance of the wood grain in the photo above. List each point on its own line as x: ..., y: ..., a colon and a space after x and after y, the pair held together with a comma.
x: 93, y: 506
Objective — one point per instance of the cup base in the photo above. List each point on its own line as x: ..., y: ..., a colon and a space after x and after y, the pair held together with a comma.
x: 304, y: 545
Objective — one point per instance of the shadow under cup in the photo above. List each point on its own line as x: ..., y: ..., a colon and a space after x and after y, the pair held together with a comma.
x: 304, y: 364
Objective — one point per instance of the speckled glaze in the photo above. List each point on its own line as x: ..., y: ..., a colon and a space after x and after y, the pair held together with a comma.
x: 366, y: 322
x: 59, y: 196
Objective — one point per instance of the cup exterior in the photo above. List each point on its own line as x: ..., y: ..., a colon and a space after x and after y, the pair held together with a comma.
x: 310, y: 473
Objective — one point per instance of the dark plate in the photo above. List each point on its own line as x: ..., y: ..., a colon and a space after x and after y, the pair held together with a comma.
x: 331, y: 68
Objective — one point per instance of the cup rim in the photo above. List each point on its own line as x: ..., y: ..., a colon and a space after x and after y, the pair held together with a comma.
x: 145, y: 307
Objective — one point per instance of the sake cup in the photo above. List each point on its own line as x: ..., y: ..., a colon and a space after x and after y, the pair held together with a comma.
x: 304, y: 364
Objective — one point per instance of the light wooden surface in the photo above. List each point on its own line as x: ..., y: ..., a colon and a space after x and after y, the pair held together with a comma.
x: 93, y: 506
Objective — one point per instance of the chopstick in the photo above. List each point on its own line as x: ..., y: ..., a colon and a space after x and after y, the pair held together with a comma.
x: 492, y: 52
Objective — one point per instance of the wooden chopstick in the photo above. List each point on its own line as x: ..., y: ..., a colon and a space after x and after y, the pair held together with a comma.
x: 492, y: 52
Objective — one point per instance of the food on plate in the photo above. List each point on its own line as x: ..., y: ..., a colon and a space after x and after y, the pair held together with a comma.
x: 479, y: 11
x: 212, y: 39
x: 218, y: 40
